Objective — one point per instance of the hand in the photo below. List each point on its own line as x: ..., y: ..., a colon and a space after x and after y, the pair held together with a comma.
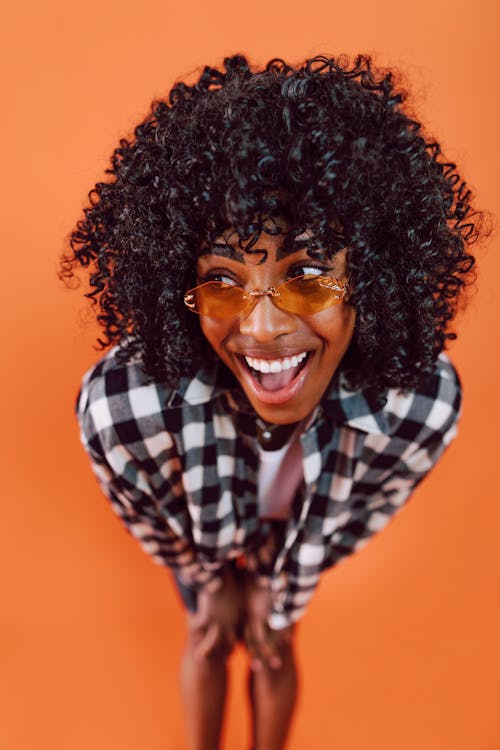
x: 264, y: 645
x: 214, y: 624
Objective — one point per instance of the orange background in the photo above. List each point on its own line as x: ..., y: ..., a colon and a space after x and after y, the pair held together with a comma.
x: 400, y: 647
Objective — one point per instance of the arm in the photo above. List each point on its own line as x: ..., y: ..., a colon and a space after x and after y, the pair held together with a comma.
x: 389, y: 469
x: 145, y: 490
x: 145, y: 519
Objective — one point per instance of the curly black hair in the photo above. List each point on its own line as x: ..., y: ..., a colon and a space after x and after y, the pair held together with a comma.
x: 321, y: 143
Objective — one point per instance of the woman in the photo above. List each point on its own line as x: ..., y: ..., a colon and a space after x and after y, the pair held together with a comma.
x: 276, y: 257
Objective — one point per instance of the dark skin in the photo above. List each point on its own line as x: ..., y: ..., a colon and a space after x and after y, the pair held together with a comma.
x: 212, y: 634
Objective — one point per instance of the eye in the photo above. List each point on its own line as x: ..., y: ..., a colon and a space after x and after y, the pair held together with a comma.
x: 312, y: 269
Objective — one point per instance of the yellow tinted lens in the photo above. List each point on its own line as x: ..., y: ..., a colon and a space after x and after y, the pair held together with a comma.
x: 216, y: 300
x: 310, y: 294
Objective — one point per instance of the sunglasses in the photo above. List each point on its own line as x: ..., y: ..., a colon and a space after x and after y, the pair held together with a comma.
x: 303, y: 295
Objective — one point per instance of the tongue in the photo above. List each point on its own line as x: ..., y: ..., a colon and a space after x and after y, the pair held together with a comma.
x: 273, y: 381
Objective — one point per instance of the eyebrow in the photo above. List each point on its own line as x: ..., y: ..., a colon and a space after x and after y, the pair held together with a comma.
x: 299, y: 243
x: 224, y: 250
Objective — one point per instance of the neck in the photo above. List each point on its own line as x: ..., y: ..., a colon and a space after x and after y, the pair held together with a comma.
x: 272, y: 437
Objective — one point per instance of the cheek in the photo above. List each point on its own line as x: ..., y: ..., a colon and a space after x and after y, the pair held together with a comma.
x: 349, y: 322
x: 338, y: 329
x: 215, y: 331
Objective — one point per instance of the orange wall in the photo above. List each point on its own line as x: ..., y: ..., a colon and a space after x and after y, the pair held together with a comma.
x: 400, y: 647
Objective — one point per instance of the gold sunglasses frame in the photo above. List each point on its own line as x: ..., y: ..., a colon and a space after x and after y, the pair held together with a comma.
x: 329, y: 282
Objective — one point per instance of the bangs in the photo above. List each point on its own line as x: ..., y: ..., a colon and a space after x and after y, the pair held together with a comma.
x: 322, y: 240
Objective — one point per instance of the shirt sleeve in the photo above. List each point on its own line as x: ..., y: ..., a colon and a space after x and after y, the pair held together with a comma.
x: 372, y: 512
x: 378, y: 495
x: 155, y: 516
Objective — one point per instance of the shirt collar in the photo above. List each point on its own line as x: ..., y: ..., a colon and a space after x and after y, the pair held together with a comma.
x: 362, y: 409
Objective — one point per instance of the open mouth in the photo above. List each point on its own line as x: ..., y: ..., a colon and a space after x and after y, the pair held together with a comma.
x: 275, y: 374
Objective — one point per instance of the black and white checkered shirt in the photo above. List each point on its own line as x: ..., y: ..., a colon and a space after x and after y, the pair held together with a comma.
x: 180, y: 468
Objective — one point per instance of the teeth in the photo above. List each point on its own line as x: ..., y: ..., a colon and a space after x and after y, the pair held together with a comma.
x: 275, y: 365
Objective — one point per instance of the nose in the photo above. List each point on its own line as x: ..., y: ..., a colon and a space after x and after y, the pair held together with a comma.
x: 266, y: 322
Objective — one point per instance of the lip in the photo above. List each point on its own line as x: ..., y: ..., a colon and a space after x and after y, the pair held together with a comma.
x: 282, y: 395
x: 281, y: 354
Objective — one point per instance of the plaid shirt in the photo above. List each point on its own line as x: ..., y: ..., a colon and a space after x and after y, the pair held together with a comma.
x: 180, y: 468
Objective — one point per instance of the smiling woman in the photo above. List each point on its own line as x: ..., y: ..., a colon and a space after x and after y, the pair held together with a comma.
x: 277, y: 257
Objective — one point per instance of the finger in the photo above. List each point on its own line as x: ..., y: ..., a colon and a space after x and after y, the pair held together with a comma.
x: 268, y: 649
x: 215, y: 639
x: 208, y: 642
x: 193, y: 618
x: 255, y: 661
x: 196, y: 621
x: 262, y: 649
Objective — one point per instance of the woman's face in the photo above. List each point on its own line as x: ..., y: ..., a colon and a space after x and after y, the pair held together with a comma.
x: 304, y: 349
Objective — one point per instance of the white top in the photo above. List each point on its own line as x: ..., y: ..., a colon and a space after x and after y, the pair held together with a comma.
x: 280, y: 473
